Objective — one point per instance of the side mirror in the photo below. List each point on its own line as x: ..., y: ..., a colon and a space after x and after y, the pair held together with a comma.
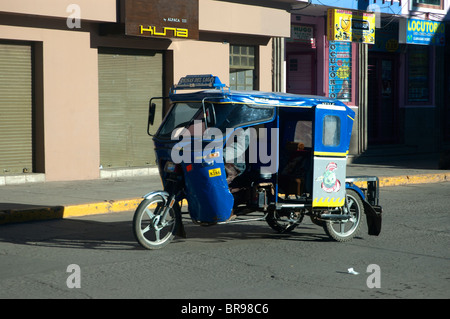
x: 151, y: 116
x: 210, y: 115
x: 151, y: 113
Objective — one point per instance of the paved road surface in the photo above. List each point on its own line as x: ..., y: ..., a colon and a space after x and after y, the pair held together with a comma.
x: 235, y: 261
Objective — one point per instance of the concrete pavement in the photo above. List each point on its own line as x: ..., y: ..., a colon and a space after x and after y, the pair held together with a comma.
x: 48, y: 200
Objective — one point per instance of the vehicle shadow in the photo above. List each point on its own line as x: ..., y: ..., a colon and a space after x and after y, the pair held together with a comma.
x: 71, y: 233
x: 249, y: 231
x: 92, y: 234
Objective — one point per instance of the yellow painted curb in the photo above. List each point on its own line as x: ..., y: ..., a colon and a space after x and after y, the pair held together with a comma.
x: 101, y: 208
x: 104, y: 207
x: 410, y: 179
x: 414, y: 179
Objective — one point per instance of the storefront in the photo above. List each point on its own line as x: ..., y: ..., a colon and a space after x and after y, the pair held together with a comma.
x: 390, y: 74
x: 16, y: 109
x: 303, y: 51
x: 446, y: 81
x: 322, y: 58
x: 422, y: 98
x: 385, y: 57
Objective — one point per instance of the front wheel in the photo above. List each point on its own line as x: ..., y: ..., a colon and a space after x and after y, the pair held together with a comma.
x: 151, y: 228
x: 347, y: 229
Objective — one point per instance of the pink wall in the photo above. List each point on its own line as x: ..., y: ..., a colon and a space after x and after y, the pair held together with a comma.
x: 320, y: 38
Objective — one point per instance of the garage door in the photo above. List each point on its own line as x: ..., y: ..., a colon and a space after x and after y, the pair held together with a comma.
x: 16, y: 100
x: 127, y: 81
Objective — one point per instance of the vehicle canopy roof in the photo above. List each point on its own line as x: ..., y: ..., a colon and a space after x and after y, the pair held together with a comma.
x: 218, y: 93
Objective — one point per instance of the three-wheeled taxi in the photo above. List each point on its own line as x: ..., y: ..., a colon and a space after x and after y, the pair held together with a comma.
x: 233, y: 154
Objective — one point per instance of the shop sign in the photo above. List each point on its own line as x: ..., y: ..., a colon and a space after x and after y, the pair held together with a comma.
x: 340, y: 70
x: 351, y: 26
x: 302, y: 34
x: 162, y: 19
x: 415, y: 31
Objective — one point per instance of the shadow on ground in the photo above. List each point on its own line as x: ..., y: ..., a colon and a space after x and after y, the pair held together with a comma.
x: 92, y: 234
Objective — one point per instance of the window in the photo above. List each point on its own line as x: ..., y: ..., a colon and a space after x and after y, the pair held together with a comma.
x: 331, y: 130
x: 179, y: 116
x: 235, y: 115
x: 242, y: 67
x: 431, y: 4
x: 303, y: 133
x: 418, y: 74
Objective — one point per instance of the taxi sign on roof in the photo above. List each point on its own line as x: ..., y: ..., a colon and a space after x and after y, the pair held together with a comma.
x: 202, y: 81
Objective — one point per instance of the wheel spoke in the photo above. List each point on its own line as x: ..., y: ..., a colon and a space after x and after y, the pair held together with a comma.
x: 157, y: 235
x: 146, y: 229
x: 350, y: 202
x: 341, y: 227
x: 149, y: 213
x: 167, y: 223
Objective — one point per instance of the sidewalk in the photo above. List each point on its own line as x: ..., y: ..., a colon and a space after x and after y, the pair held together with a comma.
x: 47, y: 200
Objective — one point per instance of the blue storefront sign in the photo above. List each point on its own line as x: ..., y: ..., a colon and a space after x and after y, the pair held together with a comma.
x: 424, y: 32
x: 340, y: 70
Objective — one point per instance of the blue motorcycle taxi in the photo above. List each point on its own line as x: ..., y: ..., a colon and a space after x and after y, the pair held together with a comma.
x: 236, y: 156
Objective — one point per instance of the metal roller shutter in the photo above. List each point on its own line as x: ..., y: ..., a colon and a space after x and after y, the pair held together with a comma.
x: 16, y: 100
x: 127, y: 81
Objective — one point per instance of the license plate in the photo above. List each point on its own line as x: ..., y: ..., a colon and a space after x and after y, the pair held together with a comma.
x: 214, y: 172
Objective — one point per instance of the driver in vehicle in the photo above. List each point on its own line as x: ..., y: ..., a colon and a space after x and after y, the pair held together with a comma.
x: 235, y: 163
x: 234, y: 153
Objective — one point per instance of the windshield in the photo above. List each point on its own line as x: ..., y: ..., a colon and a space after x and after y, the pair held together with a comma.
x: 180, y: 115
x: 220, y: 115
x: 235, y: 115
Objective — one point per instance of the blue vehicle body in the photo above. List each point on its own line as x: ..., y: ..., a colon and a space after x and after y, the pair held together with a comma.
x: 204, y: 175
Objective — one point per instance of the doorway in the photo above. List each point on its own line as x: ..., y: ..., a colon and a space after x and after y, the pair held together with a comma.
x: 301, y: 70
x: 383, y: 106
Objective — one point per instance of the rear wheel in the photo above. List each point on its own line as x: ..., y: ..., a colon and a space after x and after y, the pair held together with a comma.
x: 283, y: 223
x: 151, y: 228
x: 347, y: 229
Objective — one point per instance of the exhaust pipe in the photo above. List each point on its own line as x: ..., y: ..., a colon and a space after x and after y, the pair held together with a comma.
x: 334, y: 217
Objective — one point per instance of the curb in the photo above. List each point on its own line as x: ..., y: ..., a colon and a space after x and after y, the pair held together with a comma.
x: 414, y: 179
x: 58, y: 212
x: 115, y: 206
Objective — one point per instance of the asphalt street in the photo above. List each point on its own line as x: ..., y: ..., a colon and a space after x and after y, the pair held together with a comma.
x: 410, y: 258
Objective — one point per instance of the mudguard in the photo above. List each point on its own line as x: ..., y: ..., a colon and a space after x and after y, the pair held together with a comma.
x: 164, y: 195
x: 373, y: 216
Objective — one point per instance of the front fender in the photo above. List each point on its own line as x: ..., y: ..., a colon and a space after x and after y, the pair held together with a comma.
x: 373, y: 213
x: 356, y: 189
x: 163, y: 194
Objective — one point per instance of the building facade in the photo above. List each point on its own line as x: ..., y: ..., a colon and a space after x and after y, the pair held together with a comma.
x: 76, y: 79
x: 396, y: 84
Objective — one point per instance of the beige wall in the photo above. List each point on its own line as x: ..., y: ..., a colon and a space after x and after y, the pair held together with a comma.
x: 67, y: 89
x: 197, y: 57
x: 201, y: 57
x: 220, y: 16
x: 265, y: 67
x: 70, y: 101
x: 94, y: 10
